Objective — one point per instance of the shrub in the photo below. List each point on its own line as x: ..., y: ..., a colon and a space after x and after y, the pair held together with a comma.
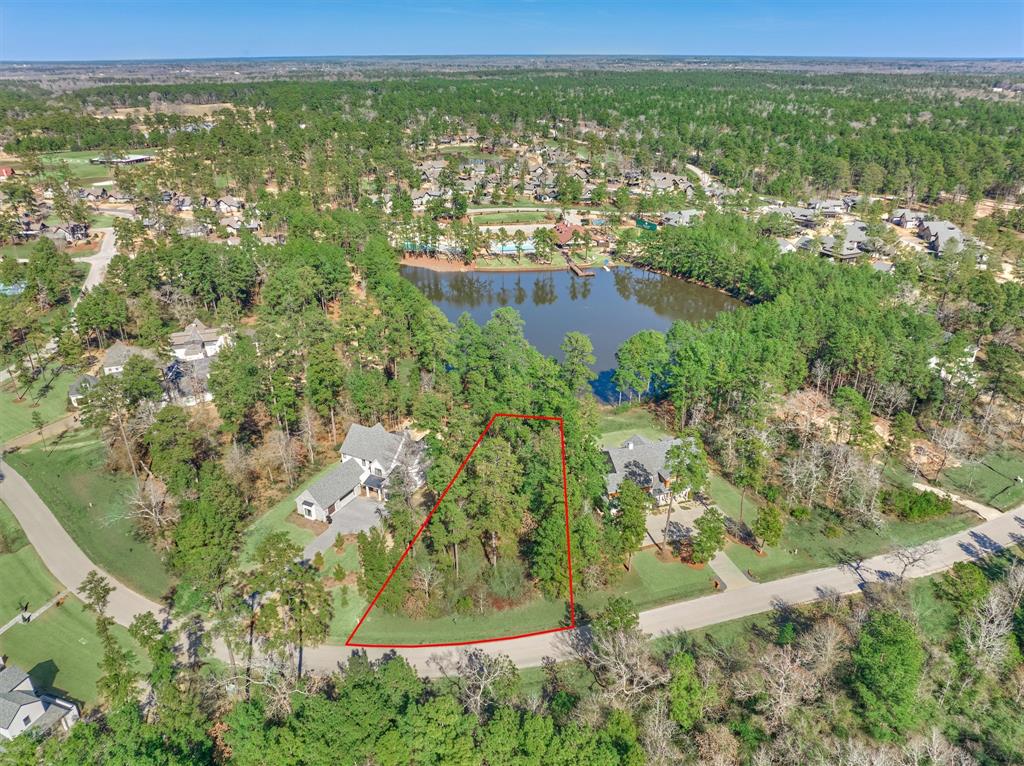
x: 915, y: 506
x: 508, y: 579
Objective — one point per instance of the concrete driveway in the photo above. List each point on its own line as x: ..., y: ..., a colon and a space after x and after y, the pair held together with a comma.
x: 358, y: 516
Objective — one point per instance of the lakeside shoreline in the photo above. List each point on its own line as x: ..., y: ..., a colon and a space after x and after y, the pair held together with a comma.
x: 436, y: 264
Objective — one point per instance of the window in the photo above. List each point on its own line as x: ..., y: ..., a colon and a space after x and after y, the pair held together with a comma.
x: 26, y: 720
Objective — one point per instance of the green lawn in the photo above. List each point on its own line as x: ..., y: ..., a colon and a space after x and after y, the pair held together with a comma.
x: 821, y: 541
x: 650, y: 583
x: 615, y: 425
x: 80, y: 167
x: 383, y: 628
x: 653, y: 582
x: 12, y: 537
x: 279, y: 519
x: 727, y: 497
x: 91, y: 504
x: 527, y: 216
x: 991, y: 480
x: 60, y: 650
x: 24, y: 576
x: 48, y: 396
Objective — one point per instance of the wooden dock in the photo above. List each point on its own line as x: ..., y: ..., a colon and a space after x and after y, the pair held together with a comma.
x: 580, y: 272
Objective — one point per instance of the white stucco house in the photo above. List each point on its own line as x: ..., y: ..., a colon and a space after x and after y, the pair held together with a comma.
x: 197, y: 341
x: 368, y: 458
x: 23, y: 708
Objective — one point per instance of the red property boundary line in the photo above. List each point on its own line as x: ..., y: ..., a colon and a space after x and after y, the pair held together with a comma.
x: 409, y: 547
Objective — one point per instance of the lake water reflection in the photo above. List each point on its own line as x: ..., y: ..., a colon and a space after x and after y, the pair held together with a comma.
x: 609, y: 307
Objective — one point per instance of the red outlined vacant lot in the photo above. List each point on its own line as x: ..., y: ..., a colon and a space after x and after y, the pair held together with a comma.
x: 568, y: 545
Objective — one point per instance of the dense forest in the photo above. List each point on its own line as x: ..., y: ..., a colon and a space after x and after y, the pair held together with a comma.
x: 773, y: 133
x: 327, y: 332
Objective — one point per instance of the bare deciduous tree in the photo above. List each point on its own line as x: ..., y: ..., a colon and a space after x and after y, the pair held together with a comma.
x: 908, y: 557
x: 657, y: 733
x: 780, y: 680
x: 426, y: 578
x: 482, y: 676
x: 151, y: 509
x: 622, y: 663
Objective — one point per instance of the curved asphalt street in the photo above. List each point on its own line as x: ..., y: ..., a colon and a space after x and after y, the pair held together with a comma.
x: 70, y: 565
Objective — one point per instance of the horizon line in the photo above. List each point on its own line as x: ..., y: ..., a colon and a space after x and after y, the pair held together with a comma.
x: 368, y: 56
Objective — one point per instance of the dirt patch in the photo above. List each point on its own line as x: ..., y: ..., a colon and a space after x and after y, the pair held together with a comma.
x: 312, y: 525
x: 435, y: 264
x: 185, y: 110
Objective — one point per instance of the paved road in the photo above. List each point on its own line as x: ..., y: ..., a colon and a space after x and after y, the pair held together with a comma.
x: 986, y: 538
x: 741, y: 598
x: 99, y: 260
x: 70, y: 565
x: 59, y: 552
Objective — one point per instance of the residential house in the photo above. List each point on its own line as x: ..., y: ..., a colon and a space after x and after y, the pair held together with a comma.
x: 369, y: 457
x: 680, y: 217
x: 229, y: 204
x: 197, y: 341
x: 80, y: 387
x: 22, y: 708
x: 908, y: 219
x: 193, y: 229
x: 643, y: 462
x: 830, y: 208
x: 564, y: 232
x: 941, y: 236
x: 6, y: 172
x: 115, y: 357
x: 187, y: 382
x: 670, y: 182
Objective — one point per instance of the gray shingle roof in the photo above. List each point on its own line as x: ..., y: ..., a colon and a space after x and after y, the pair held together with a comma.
x: 644, y: 463
x: 336, y: 484
x: 372, y: 444
x: 12, y: 701
x: 196, y: 332
x: 119, y: 353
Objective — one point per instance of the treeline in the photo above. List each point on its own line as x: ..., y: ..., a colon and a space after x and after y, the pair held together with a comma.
x: 906, y: 674
x: 778, y: 134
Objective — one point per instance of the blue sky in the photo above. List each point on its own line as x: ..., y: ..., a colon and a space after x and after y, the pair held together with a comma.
x: 137, y: 29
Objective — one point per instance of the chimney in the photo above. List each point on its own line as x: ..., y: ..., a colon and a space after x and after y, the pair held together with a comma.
x: 629, y: 445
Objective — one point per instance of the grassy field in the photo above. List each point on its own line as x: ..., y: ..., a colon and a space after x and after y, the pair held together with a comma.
x: 48, y: 396
x: 91, y: 504
x: 727, y: 497
x: 279, y: 519
x: 618, y: 424
x: 650, y: 583
x: 821, y: 541
x: 60, y: 650
x: 992, y: 480
x: 24, y: 576
x: 526, y: 216
x: 80, y: 167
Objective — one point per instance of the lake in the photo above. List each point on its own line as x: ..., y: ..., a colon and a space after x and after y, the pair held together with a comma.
x: 609, y: 307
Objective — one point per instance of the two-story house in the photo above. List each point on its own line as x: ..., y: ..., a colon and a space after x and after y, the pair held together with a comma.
x: 368, y: 458
x: 23, y: 708
x: 643, y: 462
